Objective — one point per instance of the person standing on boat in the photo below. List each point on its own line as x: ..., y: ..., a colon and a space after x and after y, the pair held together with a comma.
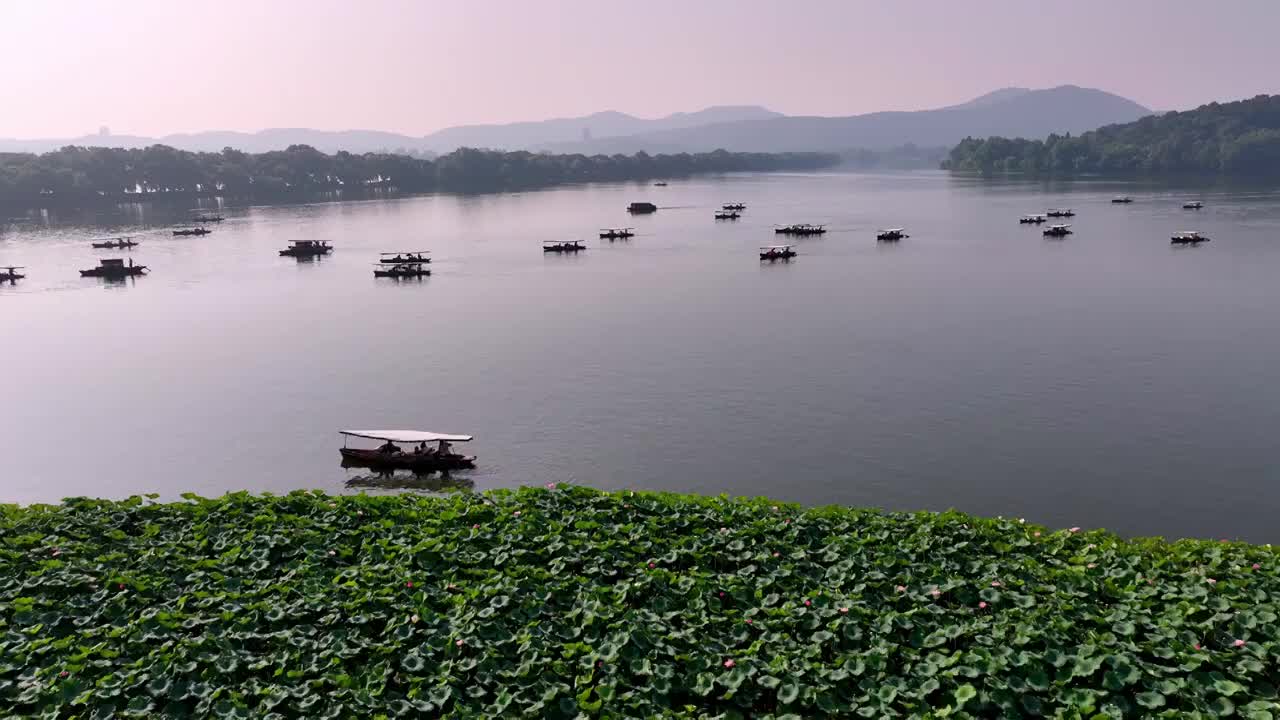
x: 390, y: 448
x: 443, y: 449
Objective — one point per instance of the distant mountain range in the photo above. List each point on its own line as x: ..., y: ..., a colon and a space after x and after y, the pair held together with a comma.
x: 1009, y: 112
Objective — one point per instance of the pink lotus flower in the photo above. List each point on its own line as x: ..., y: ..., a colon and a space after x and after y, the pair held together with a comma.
x: 787, y: 521
x: 360, y: 512
x: 332, y: 553
x: 651, y: 566
x: 995, y: 583
x: 775, y: 508
x: 551, y: 486
x: 1036, y: 533
x: 721, y: 593
x: 516, y: 513
x: 1238, y: 643
x: 450, y: 586
x: 1092, y: 565
x: 936, y: 593
x: 749, y: 621
x: 121, y: 586
x: 409, y: 584
x: 1196, y: 646
x: 982, y: 606
x: 1075, y: 529
x: 900, y: 588
x: 1256, y: 566
x: 777, y: 554
x: 1211, y: 581
x: 729, y: 663
x: 475, y: 526
x: 458, y: 642
x: 844, y: 611
x: 63, y: 674
x: 807, y: 603
x: 413, y: 618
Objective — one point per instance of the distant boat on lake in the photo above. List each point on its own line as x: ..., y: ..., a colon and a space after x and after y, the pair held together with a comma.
x: 642, y: 208
x: 10, y: 273
x: 1061, y: 213
x: 405, y: 256
x: 801, y: 229
x: 616, y: 233
x: 1122, y: 200
x: 401, y: 270
x: 777, y: 252
x: 563, y: 246
x: 114, y: 268
x: 1033, y: 219
x: 1188, y: 237
x: 727, y: 215
x: 1058, y: 231
x: 891, y: 235
x: 1192, y: 205
x: 192, y: 231
x: 307, y: 248
x: 119, y: 243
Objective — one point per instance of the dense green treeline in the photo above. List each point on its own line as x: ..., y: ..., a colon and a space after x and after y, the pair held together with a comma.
x: 77, y: 174
x: 1240, y: 138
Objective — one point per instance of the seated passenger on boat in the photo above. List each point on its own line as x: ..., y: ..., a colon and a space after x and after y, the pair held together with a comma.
x: 389, y: 448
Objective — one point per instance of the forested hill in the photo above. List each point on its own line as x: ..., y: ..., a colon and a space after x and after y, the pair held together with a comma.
x: 1241, y: 138
x: 81, y: 174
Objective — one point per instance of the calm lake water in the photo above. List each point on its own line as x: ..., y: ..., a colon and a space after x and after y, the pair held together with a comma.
x: 1106, y: 380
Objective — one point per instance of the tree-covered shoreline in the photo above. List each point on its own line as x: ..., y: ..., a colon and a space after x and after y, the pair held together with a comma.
x: 566, y: 602
x: 1237, y: 138
x: 80, y: 175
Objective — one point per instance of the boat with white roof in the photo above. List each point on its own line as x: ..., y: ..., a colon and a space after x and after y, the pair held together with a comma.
x: 426, y: 451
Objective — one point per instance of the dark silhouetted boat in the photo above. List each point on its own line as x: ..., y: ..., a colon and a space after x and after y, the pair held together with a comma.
x: 641, y: 208
x: 733, y: 206
x: 120, y: 243
x: 1192, y: 205
x: 402, y: 270
x: 1122, y: 200
x: 307, y: 248
x: 800, y: 229
x: 1188, y: 237
x: 1033, y: 219
x: 1061, y: 213
x: 10, y: 273
x: 727, y: 215
x: 405, y: 256
x: 114, y: 269
x: 777, y: 252
x: 184, y: 232
x: 563, y: 246
x: 891, y: 234
x: 616, y: 233
x: 1057, y: 231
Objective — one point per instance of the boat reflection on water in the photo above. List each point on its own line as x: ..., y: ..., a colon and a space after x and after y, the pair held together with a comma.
x: 391, y: 480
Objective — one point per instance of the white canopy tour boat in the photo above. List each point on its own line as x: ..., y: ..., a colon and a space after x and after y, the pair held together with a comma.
x: 424, y: 451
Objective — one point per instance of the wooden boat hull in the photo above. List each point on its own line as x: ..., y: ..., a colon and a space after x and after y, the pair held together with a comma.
x: 10, y: 277
x: 392, y: 274
x: 305, y: 253
x: 777, y: 256
x: 893, y: 237
x: 563, y: 249
x: 189, y: 233
x: 114, y: 246
x: 617, y: 236
x: 1188, y: 241
x: 378, y: 460
x: 1057, y: 234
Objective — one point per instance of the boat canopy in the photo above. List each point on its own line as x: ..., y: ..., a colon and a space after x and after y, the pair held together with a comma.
x: 407, y: 252
x: 1189, y: 233
x: 775, y: 247
x: 1059, y: 227
x: 405, y: 436
x: 891, y: 230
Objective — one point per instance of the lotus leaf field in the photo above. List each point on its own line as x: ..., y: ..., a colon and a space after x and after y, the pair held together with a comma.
x: 565, y: 602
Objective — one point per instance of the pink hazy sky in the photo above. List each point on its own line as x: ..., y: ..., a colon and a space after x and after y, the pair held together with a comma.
x: 153, y: 67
